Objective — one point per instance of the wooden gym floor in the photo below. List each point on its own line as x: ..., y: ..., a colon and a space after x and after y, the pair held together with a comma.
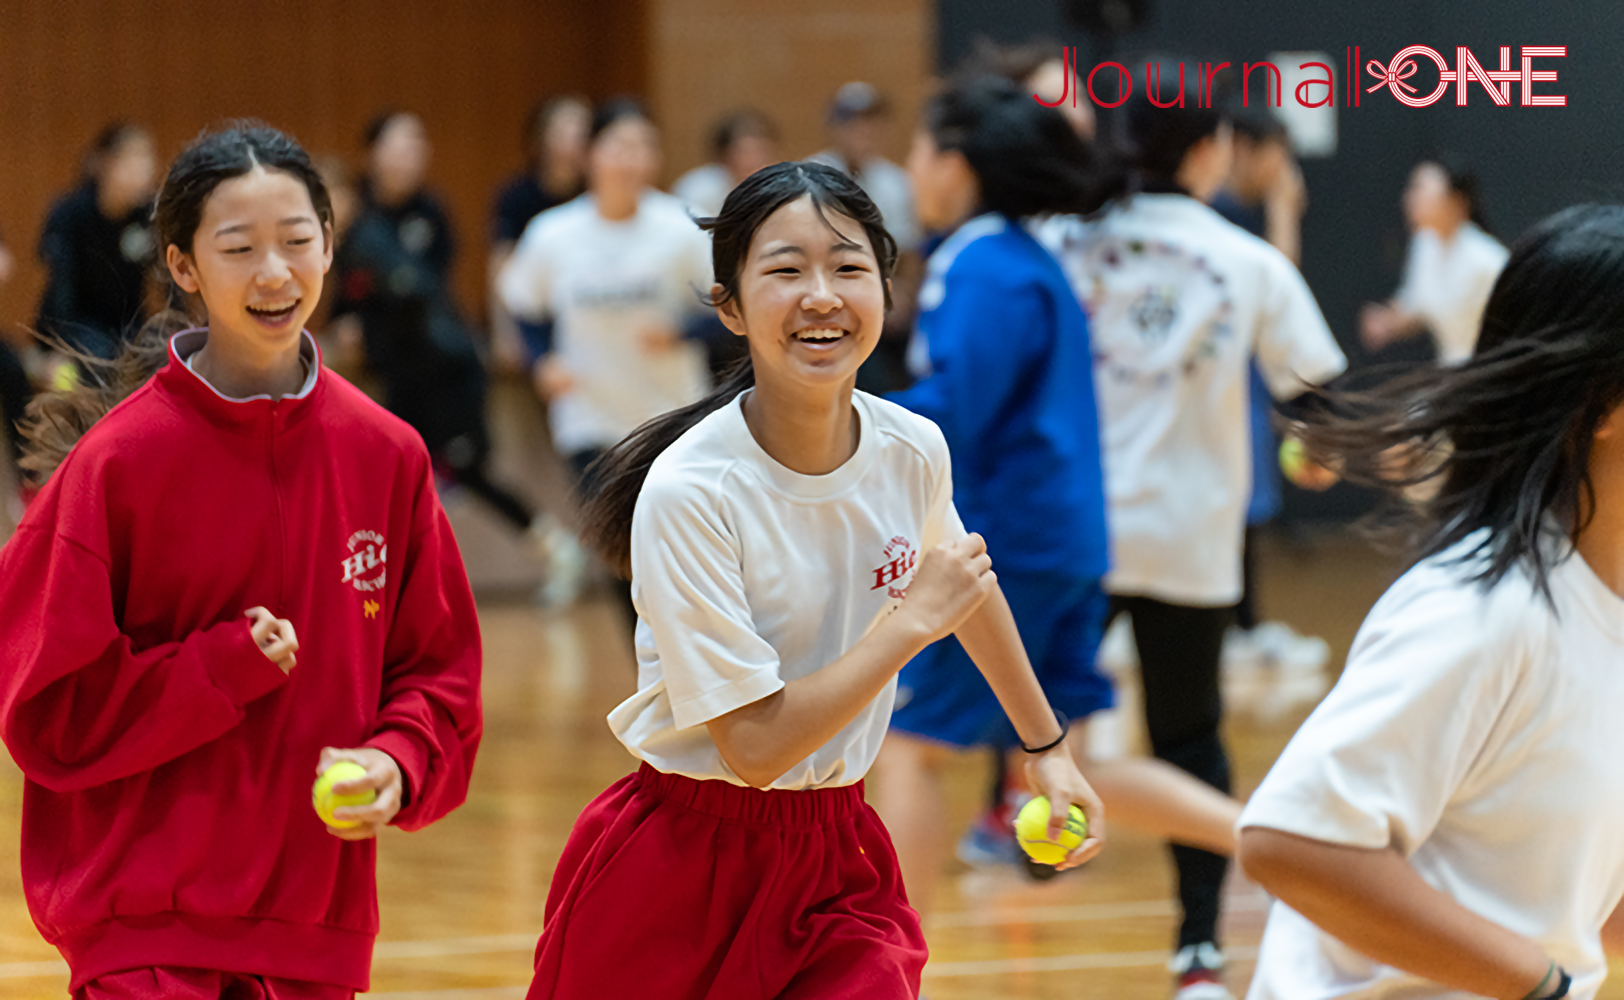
x: 462, y: 901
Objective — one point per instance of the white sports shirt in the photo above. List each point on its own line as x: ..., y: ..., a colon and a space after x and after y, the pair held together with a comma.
x: 747, y: 575
x: 1448, y: 284
x: 1479, y: 734
x: 1179, y: 301
x: 603, y: 283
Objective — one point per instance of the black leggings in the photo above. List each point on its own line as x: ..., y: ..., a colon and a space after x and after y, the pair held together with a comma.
x: 1179, y: 649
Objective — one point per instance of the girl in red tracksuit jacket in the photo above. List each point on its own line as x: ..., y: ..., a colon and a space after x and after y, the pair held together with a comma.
x: 237, y: 576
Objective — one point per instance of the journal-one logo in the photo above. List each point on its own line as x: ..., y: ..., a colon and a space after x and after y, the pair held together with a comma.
x: 1110, y: 84
x: 900, y: 559
x: 364, y: 567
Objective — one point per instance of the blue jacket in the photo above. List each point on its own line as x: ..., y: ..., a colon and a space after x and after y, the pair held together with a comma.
x: 1003, y: 353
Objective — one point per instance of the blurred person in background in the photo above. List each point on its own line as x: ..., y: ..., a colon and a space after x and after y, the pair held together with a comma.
x: 609, y: 288
x: 741, y: 143
x: 1180, y: 302
x: 1017, y: 413
x: 97, y: 245
x: 1451, y: 266
x: 394, y: 270
x: 15, y: 392
x: 1040, y: 67
x: 858, y: 121
x: 1265, y: 196
x: 555, y: 135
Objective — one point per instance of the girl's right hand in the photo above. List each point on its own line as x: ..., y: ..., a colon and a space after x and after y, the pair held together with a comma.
x: 274, y: 636
x: 951, y: 582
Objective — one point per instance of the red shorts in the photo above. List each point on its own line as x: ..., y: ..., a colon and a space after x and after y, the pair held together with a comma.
x: 682, y: 889
x: 171, y: 983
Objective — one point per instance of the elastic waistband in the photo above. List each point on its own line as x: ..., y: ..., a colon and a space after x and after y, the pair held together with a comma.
x: 778, y: 807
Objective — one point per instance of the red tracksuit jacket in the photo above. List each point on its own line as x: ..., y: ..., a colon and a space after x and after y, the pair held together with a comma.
x: 166, y: 814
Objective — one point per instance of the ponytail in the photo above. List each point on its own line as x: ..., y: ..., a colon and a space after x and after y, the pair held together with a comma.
x: 611, y: 484
x: 57, y: 420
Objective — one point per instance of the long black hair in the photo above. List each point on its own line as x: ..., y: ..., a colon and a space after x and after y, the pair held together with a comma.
x: 1505, y: 437
x: 58, y: 420
x: 1027, y: 158
x: 1144, y: 142
x: 612, y: 483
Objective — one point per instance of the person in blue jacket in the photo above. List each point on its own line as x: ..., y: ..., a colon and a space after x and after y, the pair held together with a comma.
x: 1006, y: 370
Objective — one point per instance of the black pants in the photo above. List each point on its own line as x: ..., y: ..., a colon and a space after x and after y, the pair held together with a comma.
x: 1179, y: 649
x: 15, y: 392
x: 580, y: 462
x: 1246, y: 613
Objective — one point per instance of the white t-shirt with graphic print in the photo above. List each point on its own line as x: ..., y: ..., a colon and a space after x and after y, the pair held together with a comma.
x: 1179, y: 302
x: 747, y: 575
x: 1477, y: 733
x: 603, y: 283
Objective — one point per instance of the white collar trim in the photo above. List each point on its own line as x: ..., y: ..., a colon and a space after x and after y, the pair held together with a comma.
x: 187, y: 343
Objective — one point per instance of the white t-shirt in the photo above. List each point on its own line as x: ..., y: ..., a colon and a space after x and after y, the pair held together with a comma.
x: 603, y: 283
x: 746, y: 575
x: 1448, y: 284
x: 888, y: 186
x: 1479, y: 734
x: 1179, y: 302
x: 704, y: 188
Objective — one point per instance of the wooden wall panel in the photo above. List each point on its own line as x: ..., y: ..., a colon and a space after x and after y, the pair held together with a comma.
x: 708, y: 57
x: 317, y: 68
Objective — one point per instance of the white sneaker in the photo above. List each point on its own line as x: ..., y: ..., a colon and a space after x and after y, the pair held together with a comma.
x: 1198, y: 968
x: 1117, y: 653
x: 1240, y: 650
x: 1278, y: 645
x: 565, y: 560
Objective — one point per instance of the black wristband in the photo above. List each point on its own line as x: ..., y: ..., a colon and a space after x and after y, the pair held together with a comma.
x: 1561, y: 987
x: 1065, y: 727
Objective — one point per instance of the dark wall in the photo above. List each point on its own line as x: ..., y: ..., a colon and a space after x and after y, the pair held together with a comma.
x: 1531, y: 161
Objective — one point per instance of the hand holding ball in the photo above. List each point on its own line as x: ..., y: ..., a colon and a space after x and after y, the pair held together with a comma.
x: 325, y: 801
x: 1032, y: 832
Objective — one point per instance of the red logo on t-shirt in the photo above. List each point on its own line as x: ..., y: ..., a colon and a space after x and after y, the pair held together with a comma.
x: 364, y: 567
x: 901, y: 559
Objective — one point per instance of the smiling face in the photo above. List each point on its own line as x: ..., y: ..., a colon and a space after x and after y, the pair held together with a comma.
x: 810, y: 298
x: 257, y: 259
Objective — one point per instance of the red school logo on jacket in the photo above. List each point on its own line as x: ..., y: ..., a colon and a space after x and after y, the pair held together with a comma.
x: 901, y: 557
x: 364, y: 567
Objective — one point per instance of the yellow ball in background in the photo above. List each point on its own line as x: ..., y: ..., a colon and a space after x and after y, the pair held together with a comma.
x: 1293, y: 458
x: 322, y: 797
x: 1032, y: 832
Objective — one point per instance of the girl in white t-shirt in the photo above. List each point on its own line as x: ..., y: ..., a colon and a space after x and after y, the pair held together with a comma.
x: 1448, y: 822
x: 1451, y: 266
x: 792, y: 543
x: 605, y: 288
x: 1180, y: 302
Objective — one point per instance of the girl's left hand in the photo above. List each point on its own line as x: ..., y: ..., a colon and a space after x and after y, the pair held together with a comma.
x: 1055, y: 775
x: 383, y: 775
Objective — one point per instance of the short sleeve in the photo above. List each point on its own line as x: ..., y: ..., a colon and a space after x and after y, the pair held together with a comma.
x: 1380, y: 759
x: 1295, y: 349
x: 525, y: 283
x: 688, y: 587
x: 942, y: 522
